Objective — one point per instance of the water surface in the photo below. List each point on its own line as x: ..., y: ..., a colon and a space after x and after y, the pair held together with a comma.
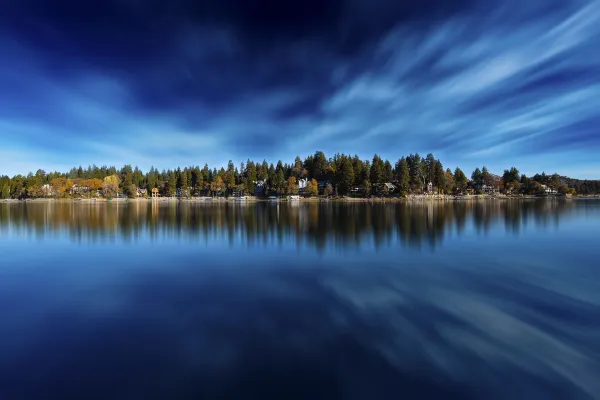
x: 465, y: 300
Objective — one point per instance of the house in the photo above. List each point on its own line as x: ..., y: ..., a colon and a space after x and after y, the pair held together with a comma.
x: 322, y: 185
x: 390, y: 187
x: 181, y: 192
x: 260, y: 187
x: 430, y: 187
x: 302, y: 185
x: 488, y: 189
x: 79, y: 189
x: 142, y: 192
x: 237, y: 192
x: 548, y: 190
x: 357, y: 189
x: 47, y: 190
x: 154, y: 192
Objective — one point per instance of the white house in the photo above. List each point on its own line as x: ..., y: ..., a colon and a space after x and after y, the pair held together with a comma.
x: 79, y: 189
x: 47, y: 189
x: 259, y: 187
x: 489, y: 189
x: 390, y: 186
x: 548, y: 190
x: 302, y: 182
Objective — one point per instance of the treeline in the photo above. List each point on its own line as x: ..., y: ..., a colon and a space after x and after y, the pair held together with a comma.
x: 338, y: 175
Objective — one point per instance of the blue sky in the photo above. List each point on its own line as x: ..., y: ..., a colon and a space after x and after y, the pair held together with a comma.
x: 495, y: 83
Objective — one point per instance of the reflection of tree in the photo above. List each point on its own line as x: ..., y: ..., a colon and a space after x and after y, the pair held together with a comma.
x: 320, y: 225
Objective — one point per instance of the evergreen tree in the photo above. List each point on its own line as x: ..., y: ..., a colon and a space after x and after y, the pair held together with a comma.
x: 358, y: 168
x: 183, y: 182
x: 460, y: 180
x: 319, y: 166
x: 414, y: 170
x: 298, y: 169
x: 263, y: 174
x: 487, y: 177
x: 171, y: 184
x: 450, y: 184
x: 439, y: 179
x: 126, y: 176
x: 429, y: 170
x: 403, y: 176
x: 388, y: 172
x: 376, y: 174
x: 477, y: 178
x: 4, y: 187
x: 346, y: 175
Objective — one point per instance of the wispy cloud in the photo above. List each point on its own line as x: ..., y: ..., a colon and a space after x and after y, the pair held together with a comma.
x: 488, y: 84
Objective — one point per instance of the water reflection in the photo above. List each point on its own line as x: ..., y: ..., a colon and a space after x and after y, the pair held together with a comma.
x: 317, y: 224
x: 505, y: 305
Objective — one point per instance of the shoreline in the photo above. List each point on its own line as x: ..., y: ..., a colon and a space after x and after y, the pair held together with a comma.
x: 409, y: 199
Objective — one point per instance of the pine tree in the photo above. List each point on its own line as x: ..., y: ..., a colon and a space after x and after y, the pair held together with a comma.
x: 487, y: 177
x: 439, y: 179
x: 477, y: 178
x: 429, y: 172
x: 414, y: 170
x: 171, y: 183
x: 319, y: 165
x: 388, y: 172
x: 346, y: 175
x: 403, y: 176
x: 376, y: 174
x: 183, y: 182
x: 460, y: 180
x: 298, y: 169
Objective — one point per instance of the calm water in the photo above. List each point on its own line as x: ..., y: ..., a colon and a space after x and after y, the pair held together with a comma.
x: 465, y: 300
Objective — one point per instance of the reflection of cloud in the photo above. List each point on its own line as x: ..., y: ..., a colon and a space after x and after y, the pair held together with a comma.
x: 432, y: 324
x: 224, y: 315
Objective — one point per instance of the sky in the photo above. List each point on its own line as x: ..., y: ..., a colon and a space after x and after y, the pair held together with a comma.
x: 179, y: 83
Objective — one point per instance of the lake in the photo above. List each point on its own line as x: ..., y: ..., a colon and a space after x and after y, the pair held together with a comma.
x: 491, y: 299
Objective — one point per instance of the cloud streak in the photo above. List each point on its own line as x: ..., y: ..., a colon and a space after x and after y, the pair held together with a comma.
x: 476, y: 83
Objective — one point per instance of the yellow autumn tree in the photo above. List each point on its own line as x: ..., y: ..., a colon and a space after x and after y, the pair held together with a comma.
x: 110, y: 186
x: 312, y: 188
x: 291, y: 186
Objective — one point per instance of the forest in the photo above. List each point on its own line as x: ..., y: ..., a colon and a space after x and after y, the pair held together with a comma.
x: 340, y: 175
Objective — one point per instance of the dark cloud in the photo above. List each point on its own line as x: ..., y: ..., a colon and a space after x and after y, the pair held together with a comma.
x: 285, y: 78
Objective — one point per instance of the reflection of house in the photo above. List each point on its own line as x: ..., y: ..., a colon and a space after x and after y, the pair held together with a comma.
x: 260, y: 187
